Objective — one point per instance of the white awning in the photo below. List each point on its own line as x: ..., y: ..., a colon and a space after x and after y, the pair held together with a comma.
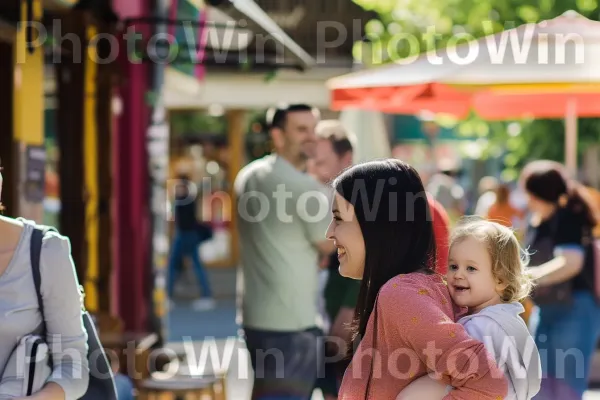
x: 246, y: 90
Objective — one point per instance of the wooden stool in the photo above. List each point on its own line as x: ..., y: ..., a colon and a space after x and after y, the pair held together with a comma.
x: 180, y: 387
x: 219, y: 377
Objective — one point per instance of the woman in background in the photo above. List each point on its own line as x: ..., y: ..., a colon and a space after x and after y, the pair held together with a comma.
x: 566, y: 324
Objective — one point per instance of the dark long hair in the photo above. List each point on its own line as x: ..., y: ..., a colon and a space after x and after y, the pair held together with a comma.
x: 392, y: 210
x: 548, y: 181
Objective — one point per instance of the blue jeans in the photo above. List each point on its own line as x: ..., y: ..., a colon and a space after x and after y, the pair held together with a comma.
x: 566, y: 336
x: 185, y: 244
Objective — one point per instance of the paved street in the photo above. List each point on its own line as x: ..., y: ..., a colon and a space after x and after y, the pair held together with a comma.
x: 226, y: 352
x: 239, y: 382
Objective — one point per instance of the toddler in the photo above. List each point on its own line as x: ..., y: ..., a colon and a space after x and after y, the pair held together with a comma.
x: 486, y: 275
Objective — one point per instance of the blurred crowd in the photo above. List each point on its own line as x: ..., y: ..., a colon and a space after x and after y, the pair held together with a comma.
x: 293, y: 293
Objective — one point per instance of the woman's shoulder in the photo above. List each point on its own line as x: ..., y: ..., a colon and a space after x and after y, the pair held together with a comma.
x: 55, y: 256
x: 53, y: 239
x: 422, y: 278
x: 563, y: 213
x: 402, y: 295
x: 17, y: 223
x: 563, y: 217
x: 53, y: 243
x: 55, y: 248
x: 407, y: 286
x: 569, y: 226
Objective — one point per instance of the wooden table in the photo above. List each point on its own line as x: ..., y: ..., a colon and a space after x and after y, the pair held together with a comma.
x: 121, y: 339
x: 171, y: 387
x: 129, y: 352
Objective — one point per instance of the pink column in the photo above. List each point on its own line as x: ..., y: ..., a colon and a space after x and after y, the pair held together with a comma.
x: 131, y: 212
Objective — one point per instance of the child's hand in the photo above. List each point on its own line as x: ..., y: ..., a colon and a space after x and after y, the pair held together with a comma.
x: 424, y: 388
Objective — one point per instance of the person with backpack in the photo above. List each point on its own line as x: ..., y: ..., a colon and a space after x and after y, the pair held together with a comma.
x: 189, y: 234
x: 58, y: 322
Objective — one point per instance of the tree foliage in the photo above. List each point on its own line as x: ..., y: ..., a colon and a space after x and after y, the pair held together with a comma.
x: 194, y: 123
x: 435, y: 24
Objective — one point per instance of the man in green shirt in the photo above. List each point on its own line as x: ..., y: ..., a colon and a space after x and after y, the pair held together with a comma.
x: 333, y: 154
x: 283, y: 218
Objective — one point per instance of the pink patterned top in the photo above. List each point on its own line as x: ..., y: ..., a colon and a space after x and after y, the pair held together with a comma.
x: 417, y: 334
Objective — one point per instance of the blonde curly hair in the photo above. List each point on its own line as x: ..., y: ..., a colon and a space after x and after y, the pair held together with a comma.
x: 509, y: 260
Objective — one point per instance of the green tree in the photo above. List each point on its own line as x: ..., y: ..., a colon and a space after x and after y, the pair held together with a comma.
x: 197, y: 122
x: 435, y: 24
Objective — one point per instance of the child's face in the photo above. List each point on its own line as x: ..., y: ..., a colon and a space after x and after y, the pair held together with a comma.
x: 470, y: 279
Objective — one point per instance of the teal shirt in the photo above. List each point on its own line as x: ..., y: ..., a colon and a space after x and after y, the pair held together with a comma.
x: 282, y: 214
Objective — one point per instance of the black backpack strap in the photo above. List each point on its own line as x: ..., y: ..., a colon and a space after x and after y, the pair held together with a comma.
x: 37, y: 237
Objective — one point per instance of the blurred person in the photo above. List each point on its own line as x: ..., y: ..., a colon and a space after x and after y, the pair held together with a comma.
x: 21, y: 316
x: 334, y: 153
x: 280, y: 242
x: 487, y: 276
x: 567, y: 316
x: 446, y: 190
x: 441, y: 226
x: 189, y: 234
x: 594, y: 195
x: 502, y: 211
x: 325, y: 321
x: 487, y: 195
x: 311, y: 168
x: 441, y: 233
x: 402, y: 303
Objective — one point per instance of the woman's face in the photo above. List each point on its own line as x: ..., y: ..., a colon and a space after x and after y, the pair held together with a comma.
x: 345, y: 231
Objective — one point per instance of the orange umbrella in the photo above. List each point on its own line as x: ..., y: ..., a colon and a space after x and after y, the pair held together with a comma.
x: 546, y: 70
x: 433, y: 97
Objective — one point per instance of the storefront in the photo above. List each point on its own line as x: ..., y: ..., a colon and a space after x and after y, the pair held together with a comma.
x: 54, y: 155
x: 9, y: 16
x: 22, y: 75
x: 217, y: 149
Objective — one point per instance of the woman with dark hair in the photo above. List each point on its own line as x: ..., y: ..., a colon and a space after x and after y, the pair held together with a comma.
x: 567, y: 316
x: 404, y: 320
